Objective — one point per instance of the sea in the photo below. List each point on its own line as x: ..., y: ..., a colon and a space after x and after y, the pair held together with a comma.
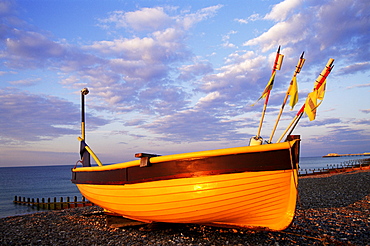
x: 55, y: 181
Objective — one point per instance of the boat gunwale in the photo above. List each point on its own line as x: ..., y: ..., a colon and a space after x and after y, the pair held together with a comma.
x: 193, y: 155
x: 280, y: 159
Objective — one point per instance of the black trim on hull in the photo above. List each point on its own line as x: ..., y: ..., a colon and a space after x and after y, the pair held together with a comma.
x: 194, y: 167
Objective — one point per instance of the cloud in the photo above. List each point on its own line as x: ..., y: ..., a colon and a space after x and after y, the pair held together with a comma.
x: 346, y: 136
x: 25, y: 82
x: 29, y: 117
x: 317, y: 122
x: 281, y: 10
x: 191, y: 19
x: 138, y: 69
x: 27, y: 49
x: 210, y: 98
x: 365, y: 122
x: 236, y: 77
x: 190, y: 72
x: 145, y: 19
x: 252, y: 17
x: 226, y: 40
x: 283, y: 33
x: 354, y: 68
x: 193, y: 126
x: 358, y: 86
x: 155, y: 19
x: 320, y: 29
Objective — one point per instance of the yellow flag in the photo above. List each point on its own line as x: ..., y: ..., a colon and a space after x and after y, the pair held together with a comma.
x: 269, y: 85
x: 293, y: 93
x: 311, y: 105
x: 311, y: 101
x: 267, y: 88
x: 321, y: 91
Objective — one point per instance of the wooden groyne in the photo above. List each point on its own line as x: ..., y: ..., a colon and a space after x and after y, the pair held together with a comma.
x: 336, y: 168
x: 52, y: 204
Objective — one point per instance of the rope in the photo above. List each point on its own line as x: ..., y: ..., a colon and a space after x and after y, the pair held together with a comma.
x: 322, y: 238
x: 292, y: 165
x: 298, y: 197
x: 79, y: 161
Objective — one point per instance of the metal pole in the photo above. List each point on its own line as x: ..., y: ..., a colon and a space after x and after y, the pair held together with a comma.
x: 85, y: 156
x: 84, y: 92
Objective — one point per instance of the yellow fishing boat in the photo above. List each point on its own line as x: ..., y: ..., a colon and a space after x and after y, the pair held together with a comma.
x: 252, y: 186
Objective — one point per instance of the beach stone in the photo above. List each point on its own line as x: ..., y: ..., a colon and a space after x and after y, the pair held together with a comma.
x: 333, y: 210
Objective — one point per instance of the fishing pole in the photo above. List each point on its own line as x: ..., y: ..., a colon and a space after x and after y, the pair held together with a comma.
x: 320, y: 81
x: 257, y: 140
x: 292, y: 91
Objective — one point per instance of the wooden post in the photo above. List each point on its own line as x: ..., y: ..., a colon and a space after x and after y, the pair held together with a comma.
x: 55, y: 203
x: 75, y: 201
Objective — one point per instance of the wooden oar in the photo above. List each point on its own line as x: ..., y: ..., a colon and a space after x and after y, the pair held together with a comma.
x: 297, y: 70
x: 318, y: 83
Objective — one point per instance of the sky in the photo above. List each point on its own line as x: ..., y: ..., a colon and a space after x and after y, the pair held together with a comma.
x: 170, y: 76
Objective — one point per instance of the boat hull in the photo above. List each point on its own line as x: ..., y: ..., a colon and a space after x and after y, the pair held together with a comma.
x: 233, y: 190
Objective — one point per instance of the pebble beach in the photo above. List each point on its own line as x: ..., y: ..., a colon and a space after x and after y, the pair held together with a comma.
x: 333, y: 209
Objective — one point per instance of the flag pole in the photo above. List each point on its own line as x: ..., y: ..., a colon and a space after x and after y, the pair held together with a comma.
x: 318, y: 83
x: 296, y: 118
x: 277, y: 65
x: 297, y: 70
x: 295, y: 124
x: 263, y: 115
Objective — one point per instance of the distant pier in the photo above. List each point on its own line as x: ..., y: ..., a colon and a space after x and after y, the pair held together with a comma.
x: 341, y: 155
